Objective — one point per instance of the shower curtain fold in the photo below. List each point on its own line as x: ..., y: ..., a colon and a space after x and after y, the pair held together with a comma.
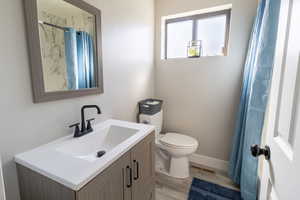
x: 71, y: 58
x: 85, y: 51
x: 79, y: 51
x: 256, y: 83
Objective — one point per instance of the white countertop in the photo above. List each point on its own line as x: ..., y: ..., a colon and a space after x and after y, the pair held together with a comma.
x: 74, y: 172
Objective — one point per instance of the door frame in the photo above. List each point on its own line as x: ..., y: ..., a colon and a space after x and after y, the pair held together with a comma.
x: 2, y: 188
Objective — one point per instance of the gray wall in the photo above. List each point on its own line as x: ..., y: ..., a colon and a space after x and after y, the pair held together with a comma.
x: 128, y: 37
x: 201, y: 95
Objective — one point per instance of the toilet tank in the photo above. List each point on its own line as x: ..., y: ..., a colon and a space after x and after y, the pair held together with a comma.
x: 155, y: 120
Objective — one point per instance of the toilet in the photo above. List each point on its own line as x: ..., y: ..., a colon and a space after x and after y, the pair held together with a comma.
x: 173, y: 149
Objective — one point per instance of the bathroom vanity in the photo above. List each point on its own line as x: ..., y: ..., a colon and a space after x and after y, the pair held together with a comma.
x: 69, y: 169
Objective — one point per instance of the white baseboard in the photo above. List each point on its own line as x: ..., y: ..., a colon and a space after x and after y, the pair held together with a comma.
x: 210, y: 162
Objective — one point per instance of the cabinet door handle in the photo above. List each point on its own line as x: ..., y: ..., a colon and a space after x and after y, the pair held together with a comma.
x: 137, y: 170
x: 129, y: 176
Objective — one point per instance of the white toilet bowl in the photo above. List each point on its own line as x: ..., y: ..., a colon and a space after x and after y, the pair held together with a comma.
x: 172, y: 156
x: 179, y: 147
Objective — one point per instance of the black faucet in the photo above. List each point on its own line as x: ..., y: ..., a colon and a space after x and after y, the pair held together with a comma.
x: 83, y: 126
x: 85, y: 129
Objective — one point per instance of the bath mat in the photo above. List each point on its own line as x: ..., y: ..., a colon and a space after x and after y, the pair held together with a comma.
x: 203, y: 190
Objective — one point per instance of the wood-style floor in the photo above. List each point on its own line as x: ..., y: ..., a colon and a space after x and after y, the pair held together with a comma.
x: 168, y: 188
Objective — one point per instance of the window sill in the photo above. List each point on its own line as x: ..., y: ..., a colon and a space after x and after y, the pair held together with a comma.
x: 190, y: 59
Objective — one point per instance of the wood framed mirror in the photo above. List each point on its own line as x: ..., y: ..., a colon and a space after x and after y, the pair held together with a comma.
x: 64, y: 38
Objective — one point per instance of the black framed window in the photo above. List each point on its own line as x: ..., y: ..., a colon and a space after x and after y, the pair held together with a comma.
x: 208, y: 31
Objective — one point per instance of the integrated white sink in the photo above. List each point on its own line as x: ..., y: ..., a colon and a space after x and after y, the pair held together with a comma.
x: 105, y: 139
x: 73, y: 162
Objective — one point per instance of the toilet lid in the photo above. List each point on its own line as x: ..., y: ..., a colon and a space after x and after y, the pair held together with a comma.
x: 178, y: 140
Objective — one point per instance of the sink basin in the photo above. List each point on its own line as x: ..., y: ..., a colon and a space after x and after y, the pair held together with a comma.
x: 73, y: 162
x: 88, y: 146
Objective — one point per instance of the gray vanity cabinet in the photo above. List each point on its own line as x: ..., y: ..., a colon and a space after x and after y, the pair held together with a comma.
x: 142, y: 162
x: 111, y: 184
x: 131, y: 177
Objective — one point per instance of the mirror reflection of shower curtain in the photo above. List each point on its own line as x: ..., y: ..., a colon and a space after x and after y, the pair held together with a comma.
x: 71, y: 58
x: 79, y: 49
x: 85, y: 53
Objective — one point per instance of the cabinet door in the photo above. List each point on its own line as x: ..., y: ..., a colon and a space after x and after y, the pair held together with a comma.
x: 111, y: 184
x: 142, y: 162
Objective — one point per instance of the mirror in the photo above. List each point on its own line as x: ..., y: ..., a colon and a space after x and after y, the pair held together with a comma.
x: 65, y: 48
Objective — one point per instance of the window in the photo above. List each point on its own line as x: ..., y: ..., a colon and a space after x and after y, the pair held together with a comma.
x: 197, y: 35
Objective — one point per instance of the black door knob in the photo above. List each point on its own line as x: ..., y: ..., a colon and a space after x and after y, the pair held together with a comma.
x: 256, y: 151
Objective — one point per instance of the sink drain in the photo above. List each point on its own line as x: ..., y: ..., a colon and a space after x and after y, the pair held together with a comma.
x: 100, y: 154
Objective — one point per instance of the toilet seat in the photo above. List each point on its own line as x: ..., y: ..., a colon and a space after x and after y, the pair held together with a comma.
x: 175, y: 140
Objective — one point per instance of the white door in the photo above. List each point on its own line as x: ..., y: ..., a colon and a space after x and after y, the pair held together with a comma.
x: 281, y: 174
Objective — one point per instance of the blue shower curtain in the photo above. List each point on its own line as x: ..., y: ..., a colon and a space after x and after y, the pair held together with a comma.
x: 85, y: 52
x: 71, y: 58
x: 255, y: 91
x: 79, y: 50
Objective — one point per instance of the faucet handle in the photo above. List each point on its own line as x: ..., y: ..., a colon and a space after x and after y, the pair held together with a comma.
x: 77, y: 130
x: 89, y: 126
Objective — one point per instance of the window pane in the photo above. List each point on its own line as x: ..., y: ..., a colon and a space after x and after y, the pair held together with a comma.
x: 212, y: 31
x: 179, y: 34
